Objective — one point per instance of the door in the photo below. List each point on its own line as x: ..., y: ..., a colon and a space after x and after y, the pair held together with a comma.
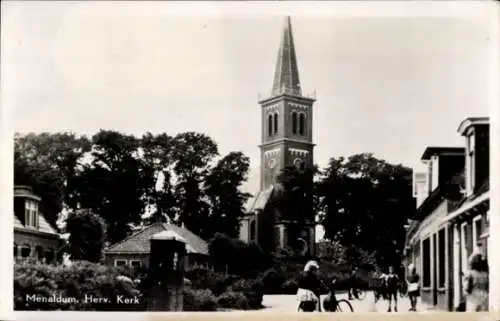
x: 435, y: 271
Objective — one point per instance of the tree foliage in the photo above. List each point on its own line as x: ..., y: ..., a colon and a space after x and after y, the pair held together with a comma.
x: 365, y: 202
x: 129, y: 180
x: 87, y: 235
x: 49, y: 163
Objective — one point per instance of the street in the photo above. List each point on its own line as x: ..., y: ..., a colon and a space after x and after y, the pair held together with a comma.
x: 288, y: 303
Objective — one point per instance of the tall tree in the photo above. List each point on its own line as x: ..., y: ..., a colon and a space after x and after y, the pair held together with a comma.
x: 193, y: 153
x: 158, y: 160
x: 112, y: 184
x: 87, y: 235
x: 49, y: 164
x: 222, y: 187
x: 365, y: 203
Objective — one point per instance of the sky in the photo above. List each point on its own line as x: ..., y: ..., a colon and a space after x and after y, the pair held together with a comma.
x: 389, y: 78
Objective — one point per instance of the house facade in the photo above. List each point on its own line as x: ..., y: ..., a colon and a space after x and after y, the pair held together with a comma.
x: 452, y: 218
x: 34, y: 238
x: 133, y: 252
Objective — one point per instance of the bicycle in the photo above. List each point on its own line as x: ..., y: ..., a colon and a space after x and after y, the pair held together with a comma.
x: 358, y: 293
x: 331, y: 303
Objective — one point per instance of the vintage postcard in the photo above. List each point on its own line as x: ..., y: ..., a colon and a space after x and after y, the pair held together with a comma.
x: 251, y: 157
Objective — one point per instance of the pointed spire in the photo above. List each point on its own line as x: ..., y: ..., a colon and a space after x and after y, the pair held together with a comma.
x: 286, y: 75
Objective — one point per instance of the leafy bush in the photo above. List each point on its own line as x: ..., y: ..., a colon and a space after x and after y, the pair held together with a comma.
x: 290, y: 286
x: 272, y: 281
x: 203, y: 278
x: 233, y: 300
x: 76, y: 282
x: 252, y: 289
x: 199, y: 300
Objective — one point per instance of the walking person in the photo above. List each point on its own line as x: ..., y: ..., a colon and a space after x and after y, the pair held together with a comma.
x: 310, y: 287
x: 476, y: 285
x: 391, y: 285
x: 413, y: 281
x: 352, y: 292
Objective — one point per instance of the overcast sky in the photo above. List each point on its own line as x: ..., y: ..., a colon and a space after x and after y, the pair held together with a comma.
x: 387, y: 85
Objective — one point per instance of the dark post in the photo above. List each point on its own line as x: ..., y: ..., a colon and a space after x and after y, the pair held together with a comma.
x: 166, y: 272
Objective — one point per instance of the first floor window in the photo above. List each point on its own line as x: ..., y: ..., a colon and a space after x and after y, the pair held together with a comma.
x: 49, y: 256
x: 135, y: 264
x: 120, y: 263
x: 426, y: 262
x: 26, y: 251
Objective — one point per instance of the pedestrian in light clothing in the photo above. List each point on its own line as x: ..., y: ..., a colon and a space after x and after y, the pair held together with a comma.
x: 310, y: 287
x: 413, y: 281
x: 476, y: 285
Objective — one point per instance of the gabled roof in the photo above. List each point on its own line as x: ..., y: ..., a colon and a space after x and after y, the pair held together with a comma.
x: 139, y: 242
x: 259, y: 202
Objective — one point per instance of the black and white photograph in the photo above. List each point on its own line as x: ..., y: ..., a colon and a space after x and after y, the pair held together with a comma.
x: 315, y: 160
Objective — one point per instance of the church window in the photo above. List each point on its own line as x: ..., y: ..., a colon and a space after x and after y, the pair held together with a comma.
x: 252, y: 231
x: 270, y: 125
x: 302, y: 124
x: 294, y: 122
x: 275, y: 123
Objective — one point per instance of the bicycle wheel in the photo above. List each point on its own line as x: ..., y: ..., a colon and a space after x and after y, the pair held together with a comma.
x: 360, y: 294
x: 344, y: 306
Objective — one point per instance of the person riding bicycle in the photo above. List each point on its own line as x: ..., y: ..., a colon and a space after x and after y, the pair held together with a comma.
x: 310, y: 287
x: 352, y: 292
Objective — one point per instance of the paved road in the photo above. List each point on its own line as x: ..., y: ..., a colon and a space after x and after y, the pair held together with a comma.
x: 288, y: 303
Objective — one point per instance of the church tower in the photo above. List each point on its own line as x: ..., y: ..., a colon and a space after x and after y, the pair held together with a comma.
x: 286, y: 140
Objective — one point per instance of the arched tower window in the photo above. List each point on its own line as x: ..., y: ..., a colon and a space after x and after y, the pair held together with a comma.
x: 302, y: 124
x: 294, y: 122
x: 275, y: 123
x: 252, y: 231
x: 270, y: 125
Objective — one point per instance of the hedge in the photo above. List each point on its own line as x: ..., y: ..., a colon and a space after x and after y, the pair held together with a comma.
x: 220, y: 284
x: 46, y: 287
x: 199, y: 300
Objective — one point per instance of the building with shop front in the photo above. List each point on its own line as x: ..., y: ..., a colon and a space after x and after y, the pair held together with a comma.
x: 452, y: 218
x: 34, y: 238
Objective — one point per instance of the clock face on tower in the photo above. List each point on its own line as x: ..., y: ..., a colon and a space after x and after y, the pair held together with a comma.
x: 297, y: 162
x: 271, y: 163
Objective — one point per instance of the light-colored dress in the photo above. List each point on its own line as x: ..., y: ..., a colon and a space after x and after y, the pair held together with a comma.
x: 476, y: 291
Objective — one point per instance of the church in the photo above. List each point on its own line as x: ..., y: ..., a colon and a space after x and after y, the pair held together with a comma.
x: 286, y: 140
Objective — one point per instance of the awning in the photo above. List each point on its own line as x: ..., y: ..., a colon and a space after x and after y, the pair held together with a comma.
x: 467, y: 206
